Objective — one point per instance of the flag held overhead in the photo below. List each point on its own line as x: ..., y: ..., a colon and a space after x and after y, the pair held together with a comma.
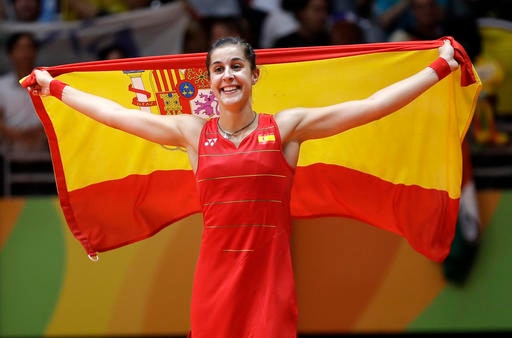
x: 401, y: 173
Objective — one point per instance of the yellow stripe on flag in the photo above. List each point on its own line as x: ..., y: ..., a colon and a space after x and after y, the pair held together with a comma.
x: 379, y: 148
x: 106, y: 154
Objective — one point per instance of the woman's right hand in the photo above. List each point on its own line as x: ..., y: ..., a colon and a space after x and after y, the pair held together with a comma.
x: 41, y: 86
x: 446, y: 51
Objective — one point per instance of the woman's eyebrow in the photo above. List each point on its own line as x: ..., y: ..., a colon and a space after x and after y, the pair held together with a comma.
x: 233, y: 59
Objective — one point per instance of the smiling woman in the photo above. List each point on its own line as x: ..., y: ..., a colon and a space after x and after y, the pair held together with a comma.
x: 232, y: 76
x: 244, y: 164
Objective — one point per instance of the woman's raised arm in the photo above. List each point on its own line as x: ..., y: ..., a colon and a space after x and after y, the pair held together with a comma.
x: 178, y: 130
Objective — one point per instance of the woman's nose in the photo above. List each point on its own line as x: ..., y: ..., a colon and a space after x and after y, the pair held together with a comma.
x: 228, y: 73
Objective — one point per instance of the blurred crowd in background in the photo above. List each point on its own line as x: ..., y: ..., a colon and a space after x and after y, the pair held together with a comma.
x: 289, y: 23
x: 263, y: 23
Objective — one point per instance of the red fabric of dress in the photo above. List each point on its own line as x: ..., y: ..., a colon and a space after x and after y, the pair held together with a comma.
x: 243, y: 284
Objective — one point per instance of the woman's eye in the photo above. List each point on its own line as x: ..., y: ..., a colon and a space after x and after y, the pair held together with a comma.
x: 218, y: 70
x: 237, y: 67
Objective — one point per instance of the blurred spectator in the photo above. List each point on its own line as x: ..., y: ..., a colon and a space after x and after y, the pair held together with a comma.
x: 461, y: 22
x: 353, y: 22
x: 312, y: 16
x: 218, y: 27
x: 49, y: 11
x: 266, y: 5
x: 26, y: 10
x: 278, y: 22
x: 500, y: 9
x: 391, y: 15
x: 344, y: 6
x: 112, y: 52
x: 346, y: 32
x: 19, y: 124
x: 254, y: 15
x: 88, y: 9
x: 431, y: 21
x: 219, y: 8
x: 210, y: 18
x: 138, y: 4
x: 29, y: 10
x: 373, y: 31
x: 427, y: 22
x: 195, y: 39
x: 23, y: 142
x: 3, y: 10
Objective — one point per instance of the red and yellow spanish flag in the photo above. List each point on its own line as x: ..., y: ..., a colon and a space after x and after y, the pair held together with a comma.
x: 401, y: 173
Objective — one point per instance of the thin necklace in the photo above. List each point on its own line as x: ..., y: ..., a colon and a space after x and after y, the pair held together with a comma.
x: 228, y: 135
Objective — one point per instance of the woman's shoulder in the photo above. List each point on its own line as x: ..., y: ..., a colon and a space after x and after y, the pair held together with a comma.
x: 266, y: 118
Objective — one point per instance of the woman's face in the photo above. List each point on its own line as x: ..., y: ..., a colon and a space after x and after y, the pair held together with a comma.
x: 24, y: 54
x: 231, y: 77
x: 314, y: 16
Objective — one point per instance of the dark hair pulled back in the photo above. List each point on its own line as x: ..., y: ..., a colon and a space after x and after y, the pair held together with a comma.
x: 236, y: 41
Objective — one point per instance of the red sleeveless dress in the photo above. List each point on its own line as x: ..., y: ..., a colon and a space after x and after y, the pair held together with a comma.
x: 243, y: 284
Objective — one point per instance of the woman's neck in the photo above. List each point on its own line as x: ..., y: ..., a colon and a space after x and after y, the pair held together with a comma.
x: 231, y: 120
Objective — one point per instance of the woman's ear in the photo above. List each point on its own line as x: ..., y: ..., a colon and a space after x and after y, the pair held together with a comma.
x: 255, y: 75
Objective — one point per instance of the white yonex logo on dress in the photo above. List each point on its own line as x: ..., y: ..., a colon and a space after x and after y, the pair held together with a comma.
x: 210, y: 142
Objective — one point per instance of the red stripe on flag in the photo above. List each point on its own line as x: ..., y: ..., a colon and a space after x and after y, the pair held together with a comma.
x: 140, y: 206
x: 425, y: 217
x: 165, y: 84
x: 274, y: 55
x: 156, y: 78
